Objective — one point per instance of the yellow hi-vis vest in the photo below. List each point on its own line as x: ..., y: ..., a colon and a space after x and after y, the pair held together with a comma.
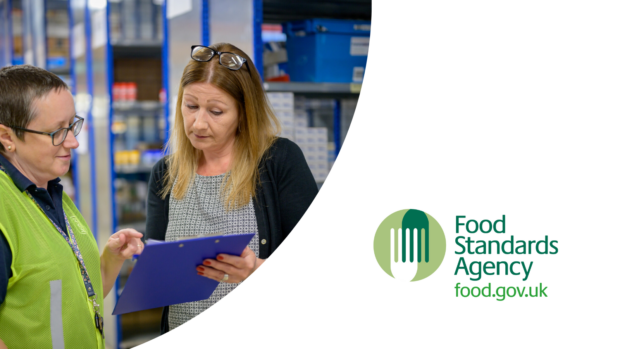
x: 46, y: 304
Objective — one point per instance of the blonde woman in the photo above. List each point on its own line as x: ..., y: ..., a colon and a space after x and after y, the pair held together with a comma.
x: 228, y: 172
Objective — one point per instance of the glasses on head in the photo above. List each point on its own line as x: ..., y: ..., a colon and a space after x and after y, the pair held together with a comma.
x: 230, y: 60
x: 59, y: 135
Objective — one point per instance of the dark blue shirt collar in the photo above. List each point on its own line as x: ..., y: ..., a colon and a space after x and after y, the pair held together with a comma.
x: 21, y: 182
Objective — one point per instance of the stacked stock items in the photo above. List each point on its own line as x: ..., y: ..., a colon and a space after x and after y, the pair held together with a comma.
x: 124, y: 159
x: 131, y: 200
x: 146, y: 20
x: 321, y: 112
x: 274, y: 53
x: 313, y: 143
x: 124, y: 91
x: 347, y: 42
x: 143, y: 76
x: 129, y: 25
x: 17, y: 32
x: 134, y: 21
x: 301, y: 118
x: 57, y: 35
x: 283, y: 106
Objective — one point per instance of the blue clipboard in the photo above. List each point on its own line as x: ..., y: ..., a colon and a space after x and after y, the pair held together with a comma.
x: 165, y: 273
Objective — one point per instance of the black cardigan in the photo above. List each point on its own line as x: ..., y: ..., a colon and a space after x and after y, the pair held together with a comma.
x: 286, y: 190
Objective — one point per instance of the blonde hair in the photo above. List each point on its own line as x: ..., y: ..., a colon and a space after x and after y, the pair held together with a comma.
x: 257, y: 130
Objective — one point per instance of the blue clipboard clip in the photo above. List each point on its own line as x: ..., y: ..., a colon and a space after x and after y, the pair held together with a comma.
x: 152, y: 242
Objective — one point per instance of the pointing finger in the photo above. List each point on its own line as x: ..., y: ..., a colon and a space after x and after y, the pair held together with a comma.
x: 130, y: 233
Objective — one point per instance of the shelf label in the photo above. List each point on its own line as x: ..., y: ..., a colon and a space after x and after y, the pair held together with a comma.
x: 358, y: 74
x: 355, y: 88
x: 359, y: 46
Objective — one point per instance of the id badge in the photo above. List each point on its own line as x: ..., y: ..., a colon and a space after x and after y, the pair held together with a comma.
x: 99, y: 323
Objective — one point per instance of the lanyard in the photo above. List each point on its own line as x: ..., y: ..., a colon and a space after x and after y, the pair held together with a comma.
x: 92, y: 296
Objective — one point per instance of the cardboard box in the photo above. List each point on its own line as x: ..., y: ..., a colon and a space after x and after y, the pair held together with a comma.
x: 321, y: 134
x: 301, y: 119
x: 286, y: 118
x: 320, y: 175
x: 281, y: 100
x: 288, y: 132
x: 301, y: 136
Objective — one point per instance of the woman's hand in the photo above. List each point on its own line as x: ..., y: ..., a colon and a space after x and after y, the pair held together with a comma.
x: 237, y: 268
x: 121, y: 245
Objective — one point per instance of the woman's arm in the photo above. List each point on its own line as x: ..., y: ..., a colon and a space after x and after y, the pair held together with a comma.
x: 296, y: 185
x: 120, y: 246
x: 297, y: 189
x: 156, y: 207
x: 125, y: 243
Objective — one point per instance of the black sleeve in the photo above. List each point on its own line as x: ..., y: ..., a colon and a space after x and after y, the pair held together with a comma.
x: 5, y: 266
x: 296, y: 185
x: 156, y: 207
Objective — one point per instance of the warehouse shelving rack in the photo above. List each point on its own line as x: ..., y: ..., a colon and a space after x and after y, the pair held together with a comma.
x: 6, y: 34
x: 92, y: 74
x: 93, y: 57
x: 335, y: 91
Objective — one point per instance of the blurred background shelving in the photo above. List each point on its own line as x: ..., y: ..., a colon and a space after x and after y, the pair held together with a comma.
x: 123, y: 59
x: 138, y: 133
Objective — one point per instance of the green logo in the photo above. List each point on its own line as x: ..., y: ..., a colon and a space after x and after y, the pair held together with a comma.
x: 410, y: 245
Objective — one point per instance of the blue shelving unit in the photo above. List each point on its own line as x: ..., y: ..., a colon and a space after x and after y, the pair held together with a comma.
x: 33, y: 30
x: 129, y: 41
x: 6, y: 34
x: 92, y: 66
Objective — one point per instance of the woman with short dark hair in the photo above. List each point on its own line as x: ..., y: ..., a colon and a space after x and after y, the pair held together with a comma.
x: 52, y: 278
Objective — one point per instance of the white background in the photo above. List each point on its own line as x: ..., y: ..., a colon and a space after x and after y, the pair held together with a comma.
x: 475, y: 108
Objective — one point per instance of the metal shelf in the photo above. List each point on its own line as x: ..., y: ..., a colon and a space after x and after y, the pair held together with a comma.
x: 137, y: 43
x: 137, y: 107
x: 278, y: 11
x: 61, y: 71
x: 320, y: 89
x: 129, y: 169
x: 139, y: 226
x: 137, y: 49
x: 141, y: 105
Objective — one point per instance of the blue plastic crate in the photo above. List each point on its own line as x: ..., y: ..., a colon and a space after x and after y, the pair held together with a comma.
x: 327, y: 50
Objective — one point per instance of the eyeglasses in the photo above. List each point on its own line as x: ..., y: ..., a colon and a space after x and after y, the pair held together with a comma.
x: 59, y: 135
x: 230, y: 60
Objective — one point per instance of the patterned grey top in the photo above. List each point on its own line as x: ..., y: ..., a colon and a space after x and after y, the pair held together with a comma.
x: 202, y: 212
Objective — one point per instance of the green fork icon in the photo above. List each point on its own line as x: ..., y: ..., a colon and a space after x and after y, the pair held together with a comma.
x: 406, y: 247
x: 417, y: 220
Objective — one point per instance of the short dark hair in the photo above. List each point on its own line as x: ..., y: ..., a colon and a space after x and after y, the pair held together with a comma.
x: 20, y: 87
